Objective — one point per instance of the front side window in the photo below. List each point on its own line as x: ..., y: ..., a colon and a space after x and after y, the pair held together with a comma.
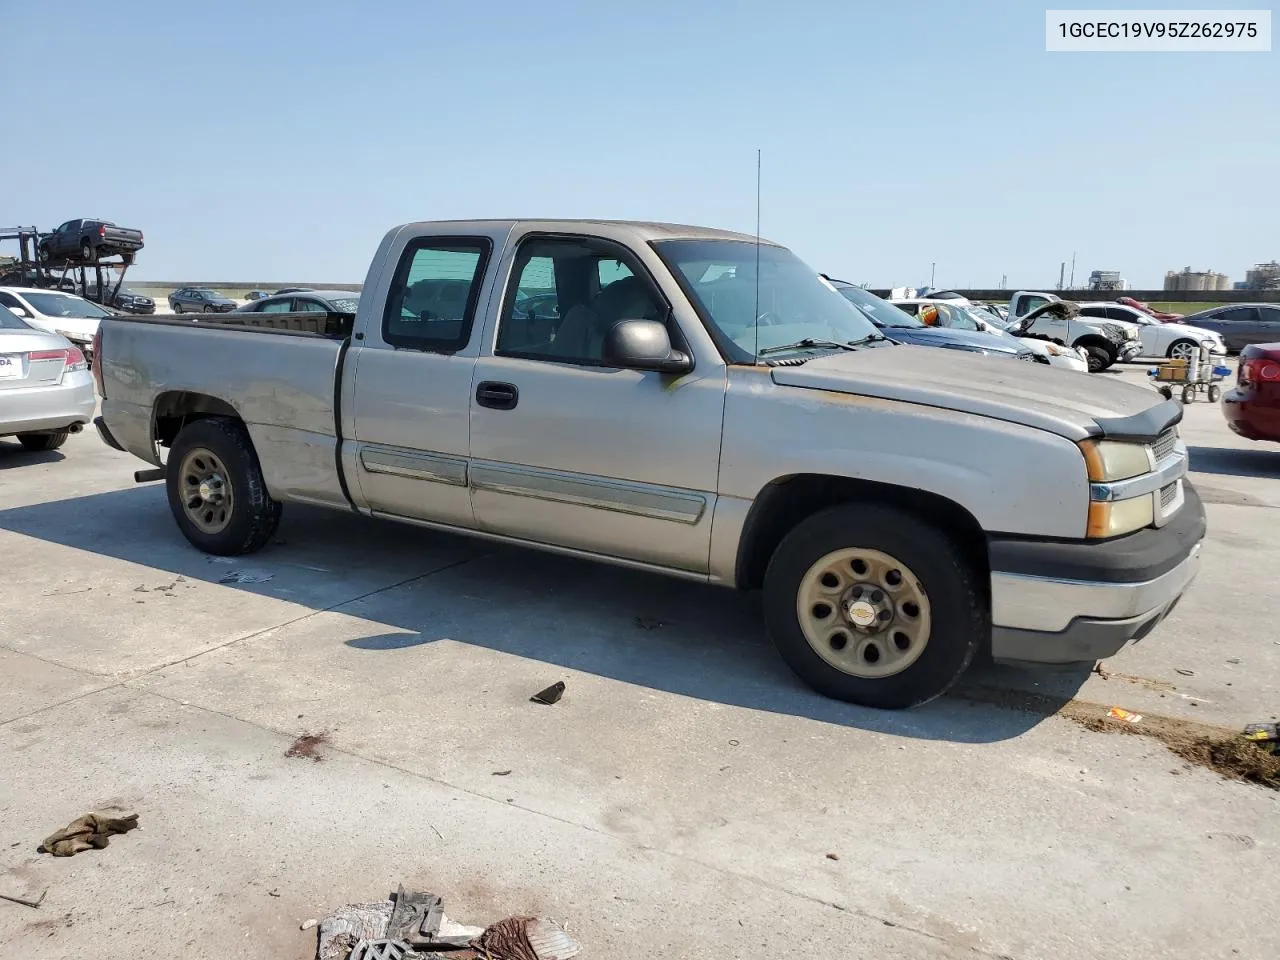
x: 567, y: 294
x: 432, y: 302
x: 760, y: 298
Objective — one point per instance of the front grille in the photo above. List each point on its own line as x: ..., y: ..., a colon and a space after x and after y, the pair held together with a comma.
x: 1168, y: 494
x: 1165, y: 444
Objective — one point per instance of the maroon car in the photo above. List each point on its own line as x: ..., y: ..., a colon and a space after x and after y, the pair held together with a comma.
x: 1252, y: 406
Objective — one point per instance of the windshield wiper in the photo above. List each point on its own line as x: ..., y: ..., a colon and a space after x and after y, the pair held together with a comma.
x: 801, y: 344
x: 869, y: 338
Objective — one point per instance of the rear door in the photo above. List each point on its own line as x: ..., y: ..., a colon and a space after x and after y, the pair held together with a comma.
x: 405, y: 401
x: 570, y: 451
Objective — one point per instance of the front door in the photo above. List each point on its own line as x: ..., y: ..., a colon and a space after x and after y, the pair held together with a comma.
x: 569, y: 451
x: 410, y: 378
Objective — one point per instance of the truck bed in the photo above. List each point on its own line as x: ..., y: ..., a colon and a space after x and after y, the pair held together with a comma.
x: 332, y: 325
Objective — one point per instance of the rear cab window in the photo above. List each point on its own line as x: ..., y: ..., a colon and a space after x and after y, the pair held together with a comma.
x: 432, y: 302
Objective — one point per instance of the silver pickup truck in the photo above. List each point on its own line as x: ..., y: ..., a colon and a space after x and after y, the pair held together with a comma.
x: 692, y: 402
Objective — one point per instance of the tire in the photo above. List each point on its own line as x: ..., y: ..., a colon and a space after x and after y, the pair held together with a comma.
x: 1188, y: 394
x: 951, y: 623
x: 177, y: 308
x: 87, y: 252
x: 1097, y: 358
x: 249, y: 518
x: 207, y: 310
x: 1166, y: 392
x: 1183, y: 349
x: 36, y: 442
x: 43, y: 254
x: 1215, y: 393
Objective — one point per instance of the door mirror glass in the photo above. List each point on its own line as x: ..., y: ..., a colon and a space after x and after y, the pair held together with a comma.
x: 643, y: 345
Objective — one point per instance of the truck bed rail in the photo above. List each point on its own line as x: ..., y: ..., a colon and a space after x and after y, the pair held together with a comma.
x: 333, y: 325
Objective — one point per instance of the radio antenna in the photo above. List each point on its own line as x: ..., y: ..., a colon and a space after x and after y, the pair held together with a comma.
x: 755, y: 317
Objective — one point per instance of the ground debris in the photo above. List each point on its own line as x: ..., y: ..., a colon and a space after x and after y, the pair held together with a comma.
x: 1230, y: 755
x: 22, y: 901
x: 93, y: 831
x: 413, y: 924
x: 551, y: 695
x: 304, y: 748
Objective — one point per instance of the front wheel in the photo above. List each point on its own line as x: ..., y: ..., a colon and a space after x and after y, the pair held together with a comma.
x: 1215, y: 393
x: 37, y: 442
x: 1184, y: 350
x: 208, y: 309
x: 870, y: 605
x: 1098, y: 359
x: 216, y: 489
x: 1188, y: 394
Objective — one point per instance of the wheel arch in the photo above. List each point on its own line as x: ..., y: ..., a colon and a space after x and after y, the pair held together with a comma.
x: 174, y: 409
x: 786, y: 501
x: 1097, y: 340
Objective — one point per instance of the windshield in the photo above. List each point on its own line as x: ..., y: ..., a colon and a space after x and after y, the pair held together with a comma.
x: 209, y: 293
x: 56, y: 305
x: 10, y: 320
x: 790, y: 302
x: 881, y: 312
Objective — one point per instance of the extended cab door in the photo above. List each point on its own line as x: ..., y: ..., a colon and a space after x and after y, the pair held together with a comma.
x: 409, y: 373
x: 570, y: 451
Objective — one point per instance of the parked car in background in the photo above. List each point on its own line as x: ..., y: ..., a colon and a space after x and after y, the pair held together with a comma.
x: 1046, y: 315
x: 291, y: 290
x: 900, y: 326
x: 1252, y: 406
x: 311, y: 301
x: 1159, y: 338
x: 954, y: 316
x: 124, y: 299
x: 256, y: 295
x: 707, y: 408
x: 1150, y: 311
x: 46, y: 390
x: 89, y: 240
x: 200, y: 300
x: 1240, y: 324
x: 56, y: 311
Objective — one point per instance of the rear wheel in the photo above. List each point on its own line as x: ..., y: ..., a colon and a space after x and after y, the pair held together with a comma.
x: 870, y: 605
x: 1215, y: 393
x: 43, y: 441
x: 86, y: 251
x: 1188, y: 394
x: 216, y: 489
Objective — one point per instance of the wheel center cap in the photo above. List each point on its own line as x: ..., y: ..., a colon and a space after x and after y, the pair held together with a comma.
x: 210, y: 489
x: 861, y: 613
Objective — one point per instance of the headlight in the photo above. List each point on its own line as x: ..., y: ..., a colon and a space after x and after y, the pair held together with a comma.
x: 1109, y: 460
x: 1053, y: 350
x: 1117, y: 517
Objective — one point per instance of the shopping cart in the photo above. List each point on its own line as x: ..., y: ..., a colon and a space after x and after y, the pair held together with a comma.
x: 1197, y: 375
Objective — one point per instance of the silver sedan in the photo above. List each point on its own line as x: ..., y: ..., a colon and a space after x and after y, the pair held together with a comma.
x: 46, y: 390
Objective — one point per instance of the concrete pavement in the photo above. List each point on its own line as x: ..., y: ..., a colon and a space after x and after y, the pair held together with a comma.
x: 680, y: 801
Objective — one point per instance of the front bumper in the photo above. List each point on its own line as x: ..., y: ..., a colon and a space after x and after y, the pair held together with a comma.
x: 1068, y: 602
x: 1130, y: 349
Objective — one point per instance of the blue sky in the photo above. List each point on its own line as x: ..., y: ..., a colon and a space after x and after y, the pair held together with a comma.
x: 278, y: 140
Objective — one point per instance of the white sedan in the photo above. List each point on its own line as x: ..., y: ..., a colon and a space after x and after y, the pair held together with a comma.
x: 1176, y: 340
x: 46, y: 390
x: 57, y: 312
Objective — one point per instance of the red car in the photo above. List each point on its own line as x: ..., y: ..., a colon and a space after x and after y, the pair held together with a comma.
x: 1145, y: 308
x: 1252, y: 406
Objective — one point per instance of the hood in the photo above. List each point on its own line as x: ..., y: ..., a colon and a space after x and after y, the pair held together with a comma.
x: 1036, y: 395
x: 946, y: 337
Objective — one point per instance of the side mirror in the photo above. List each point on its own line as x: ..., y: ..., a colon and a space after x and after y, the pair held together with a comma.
x: 21, y: 311
x: 643, y: 345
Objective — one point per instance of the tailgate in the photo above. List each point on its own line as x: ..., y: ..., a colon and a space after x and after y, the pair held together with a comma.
x: 123, y: 233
